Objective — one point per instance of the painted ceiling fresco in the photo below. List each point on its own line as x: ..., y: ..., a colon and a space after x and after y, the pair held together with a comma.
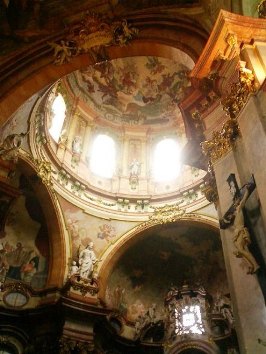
x: 135, y: 90
x: 162, y: 258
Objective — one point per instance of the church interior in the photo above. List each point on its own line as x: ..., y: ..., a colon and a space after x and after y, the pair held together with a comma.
x: 132, y: 177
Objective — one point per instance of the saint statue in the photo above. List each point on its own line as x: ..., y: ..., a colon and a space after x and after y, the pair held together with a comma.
x: 87, y: 259
x: 134, y: 168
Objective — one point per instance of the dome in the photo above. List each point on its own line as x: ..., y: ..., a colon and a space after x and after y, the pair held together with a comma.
x: 132, y: 105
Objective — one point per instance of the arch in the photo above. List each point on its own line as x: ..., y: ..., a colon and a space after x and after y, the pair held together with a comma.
x: 30, y: 71
x: 193, y: 346
x: 112, y: 255
x: 57, y: 260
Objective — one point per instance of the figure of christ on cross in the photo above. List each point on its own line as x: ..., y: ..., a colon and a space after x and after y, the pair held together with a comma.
x: 235, y: 217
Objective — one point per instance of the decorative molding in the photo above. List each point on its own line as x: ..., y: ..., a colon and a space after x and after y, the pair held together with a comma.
x: 89, y: 286
x: 15, y: 287
x: 223, y: 141
x: 92, y: 36
x: 164, y: 214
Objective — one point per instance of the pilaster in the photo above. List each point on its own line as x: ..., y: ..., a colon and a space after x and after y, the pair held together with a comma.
x: 247, y: 298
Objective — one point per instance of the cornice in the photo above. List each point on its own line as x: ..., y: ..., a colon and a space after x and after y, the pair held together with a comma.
x: 245, y: 29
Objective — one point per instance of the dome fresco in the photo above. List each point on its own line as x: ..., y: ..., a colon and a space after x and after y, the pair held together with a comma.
x: 135, y: 90
x: 133, y: 101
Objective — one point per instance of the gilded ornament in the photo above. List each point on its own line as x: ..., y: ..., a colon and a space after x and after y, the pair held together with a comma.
x: 221, y: 142
x: 44, y: 171
x: 84, y: 286
x: 239, y: 93
x: 231, y: 39
x: 165, y: 214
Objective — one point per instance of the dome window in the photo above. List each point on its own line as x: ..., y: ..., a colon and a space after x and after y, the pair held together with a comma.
x: 58, y: 114
x: 166, y: 160
x: 103, y: 156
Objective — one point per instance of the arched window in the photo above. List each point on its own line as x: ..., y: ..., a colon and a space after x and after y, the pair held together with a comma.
x: 103, y: 156
x: 58, y: 115
x: 166, y: 160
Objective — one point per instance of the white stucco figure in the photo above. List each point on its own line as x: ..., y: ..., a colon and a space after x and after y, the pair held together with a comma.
x: 74, y: 269
x: 135, y: 168
x: 87, y: 259
x: 76, y: 145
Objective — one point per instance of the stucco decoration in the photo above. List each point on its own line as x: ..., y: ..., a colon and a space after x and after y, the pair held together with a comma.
x: 24, y: 246
x: 161, y: 258
x: 135, y: 90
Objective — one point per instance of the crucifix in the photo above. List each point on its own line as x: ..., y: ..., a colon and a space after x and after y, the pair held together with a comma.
x: 235, y: 217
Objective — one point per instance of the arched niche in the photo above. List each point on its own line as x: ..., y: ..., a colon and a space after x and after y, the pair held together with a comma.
x: 42, y: 215
x: 151, y: 259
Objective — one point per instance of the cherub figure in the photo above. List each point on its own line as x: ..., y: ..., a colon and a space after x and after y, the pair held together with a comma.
x: 74, y: 269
